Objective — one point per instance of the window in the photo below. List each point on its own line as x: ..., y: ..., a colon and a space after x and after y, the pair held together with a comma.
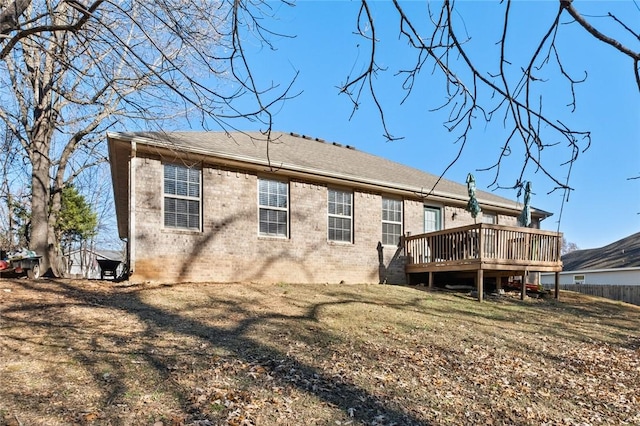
x: 578, y: 279
x: 490, y: 218
x: 181, y: 197
x: 391, y: 221
x: 273, y: 206
x: 340, y: 215
x: 432, y: 220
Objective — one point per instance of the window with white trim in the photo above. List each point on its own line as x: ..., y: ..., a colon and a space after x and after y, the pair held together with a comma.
x: 391, y: 221
x: 181, y: 197
x: 340, y: 214
x: 578, y: 279
x: 273, y: 207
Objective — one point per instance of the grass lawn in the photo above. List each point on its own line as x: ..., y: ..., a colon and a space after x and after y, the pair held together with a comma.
x: 92, y: 352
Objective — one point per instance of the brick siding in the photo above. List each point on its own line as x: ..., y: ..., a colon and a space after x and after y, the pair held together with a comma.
x: 230, y: 249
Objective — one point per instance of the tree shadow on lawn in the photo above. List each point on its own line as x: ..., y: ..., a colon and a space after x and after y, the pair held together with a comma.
x: 612, y: 313
x: 354, y: 402
x: 574, y: 317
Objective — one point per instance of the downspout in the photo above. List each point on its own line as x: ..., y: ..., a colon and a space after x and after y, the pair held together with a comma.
x: 131, y: 240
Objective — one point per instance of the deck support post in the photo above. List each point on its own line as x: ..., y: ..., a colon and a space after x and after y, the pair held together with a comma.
x: 523, y: 290
x: 557, y: 285
x: 430, y: 280
x: 479, y: 284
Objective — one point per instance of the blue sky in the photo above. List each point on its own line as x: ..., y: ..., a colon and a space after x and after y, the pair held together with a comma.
x: 605, y: 204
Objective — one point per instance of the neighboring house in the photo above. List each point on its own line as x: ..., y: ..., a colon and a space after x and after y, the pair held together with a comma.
x: 616, y: 276
x: 617, y: 263
x: 86, y: 263
x: 213, y: 206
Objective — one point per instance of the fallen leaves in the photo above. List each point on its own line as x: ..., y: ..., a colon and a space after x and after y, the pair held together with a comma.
x: 338, y: 355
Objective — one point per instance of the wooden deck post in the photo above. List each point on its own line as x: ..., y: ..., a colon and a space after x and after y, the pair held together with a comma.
x: 430, y: 280
x: 479, y: 284
x: 557, y: 285
x: 524, y: 285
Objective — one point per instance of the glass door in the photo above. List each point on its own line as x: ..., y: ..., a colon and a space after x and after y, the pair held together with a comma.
x: 489, y: 234
x: 432, y: 219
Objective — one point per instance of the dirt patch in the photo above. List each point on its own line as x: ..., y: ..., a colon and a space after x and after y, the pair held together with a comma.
x: 93, y: 352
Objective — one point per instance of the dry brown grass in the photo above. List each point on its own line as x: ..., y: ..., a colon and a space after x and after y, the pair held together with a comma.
x: 80, y: 352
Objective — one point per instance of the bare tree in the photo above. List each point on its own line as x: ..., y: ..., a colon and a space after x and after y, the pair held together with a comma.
x: 96, y: 184
x: 13, y: 192
x: 75, y: 69
x: 510, y: 91
x: 568, y: 247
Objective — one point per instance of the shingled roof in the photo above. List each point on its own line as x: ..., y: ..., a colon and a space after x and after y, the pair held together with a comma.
x: 624, y: 253
x: 299, y: 153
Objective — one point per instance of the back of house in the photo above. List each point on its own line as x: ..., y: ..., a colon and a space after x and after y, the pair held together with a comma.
x: 234, y: 207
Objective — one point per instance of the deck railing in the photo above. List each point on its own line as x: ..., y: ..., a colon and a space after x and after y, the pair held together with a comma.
x: 485, y: 243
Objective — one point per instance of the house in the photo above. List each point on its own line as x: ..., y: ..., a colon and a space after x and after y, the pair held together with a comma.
x: 88, y: 263
x: 230, y: 207
x: 617, y: 263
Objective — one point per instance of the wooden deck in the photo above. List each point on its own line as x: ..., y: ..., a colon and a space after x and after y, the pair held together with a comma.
x: 492, y: 249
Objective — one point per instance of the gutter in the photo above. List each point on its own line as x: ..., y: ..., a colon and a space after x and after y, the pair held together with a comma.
x: 591, y: 271
x: 132, y: 211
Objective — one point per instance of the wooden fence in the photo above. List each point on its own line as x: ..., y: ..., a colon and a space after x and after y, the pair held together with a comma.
x: 624, y: 293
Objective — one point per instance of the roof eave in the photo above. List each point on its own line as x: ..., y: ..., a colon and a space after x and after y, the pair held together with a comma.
x: 283, y: 168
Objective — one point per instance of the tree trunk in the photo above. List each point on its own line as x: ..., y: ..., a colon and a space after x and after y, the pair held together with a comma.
x: 44, y: 207
x: 40, y: 192
x: 43, y: 240
x: 56, y: 258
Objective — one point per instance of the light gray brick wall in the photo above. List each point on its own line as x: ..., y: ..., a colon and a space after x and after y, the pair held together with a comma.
x: 230, y: 249
x: 413, y: 217
x: 507, y: 220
